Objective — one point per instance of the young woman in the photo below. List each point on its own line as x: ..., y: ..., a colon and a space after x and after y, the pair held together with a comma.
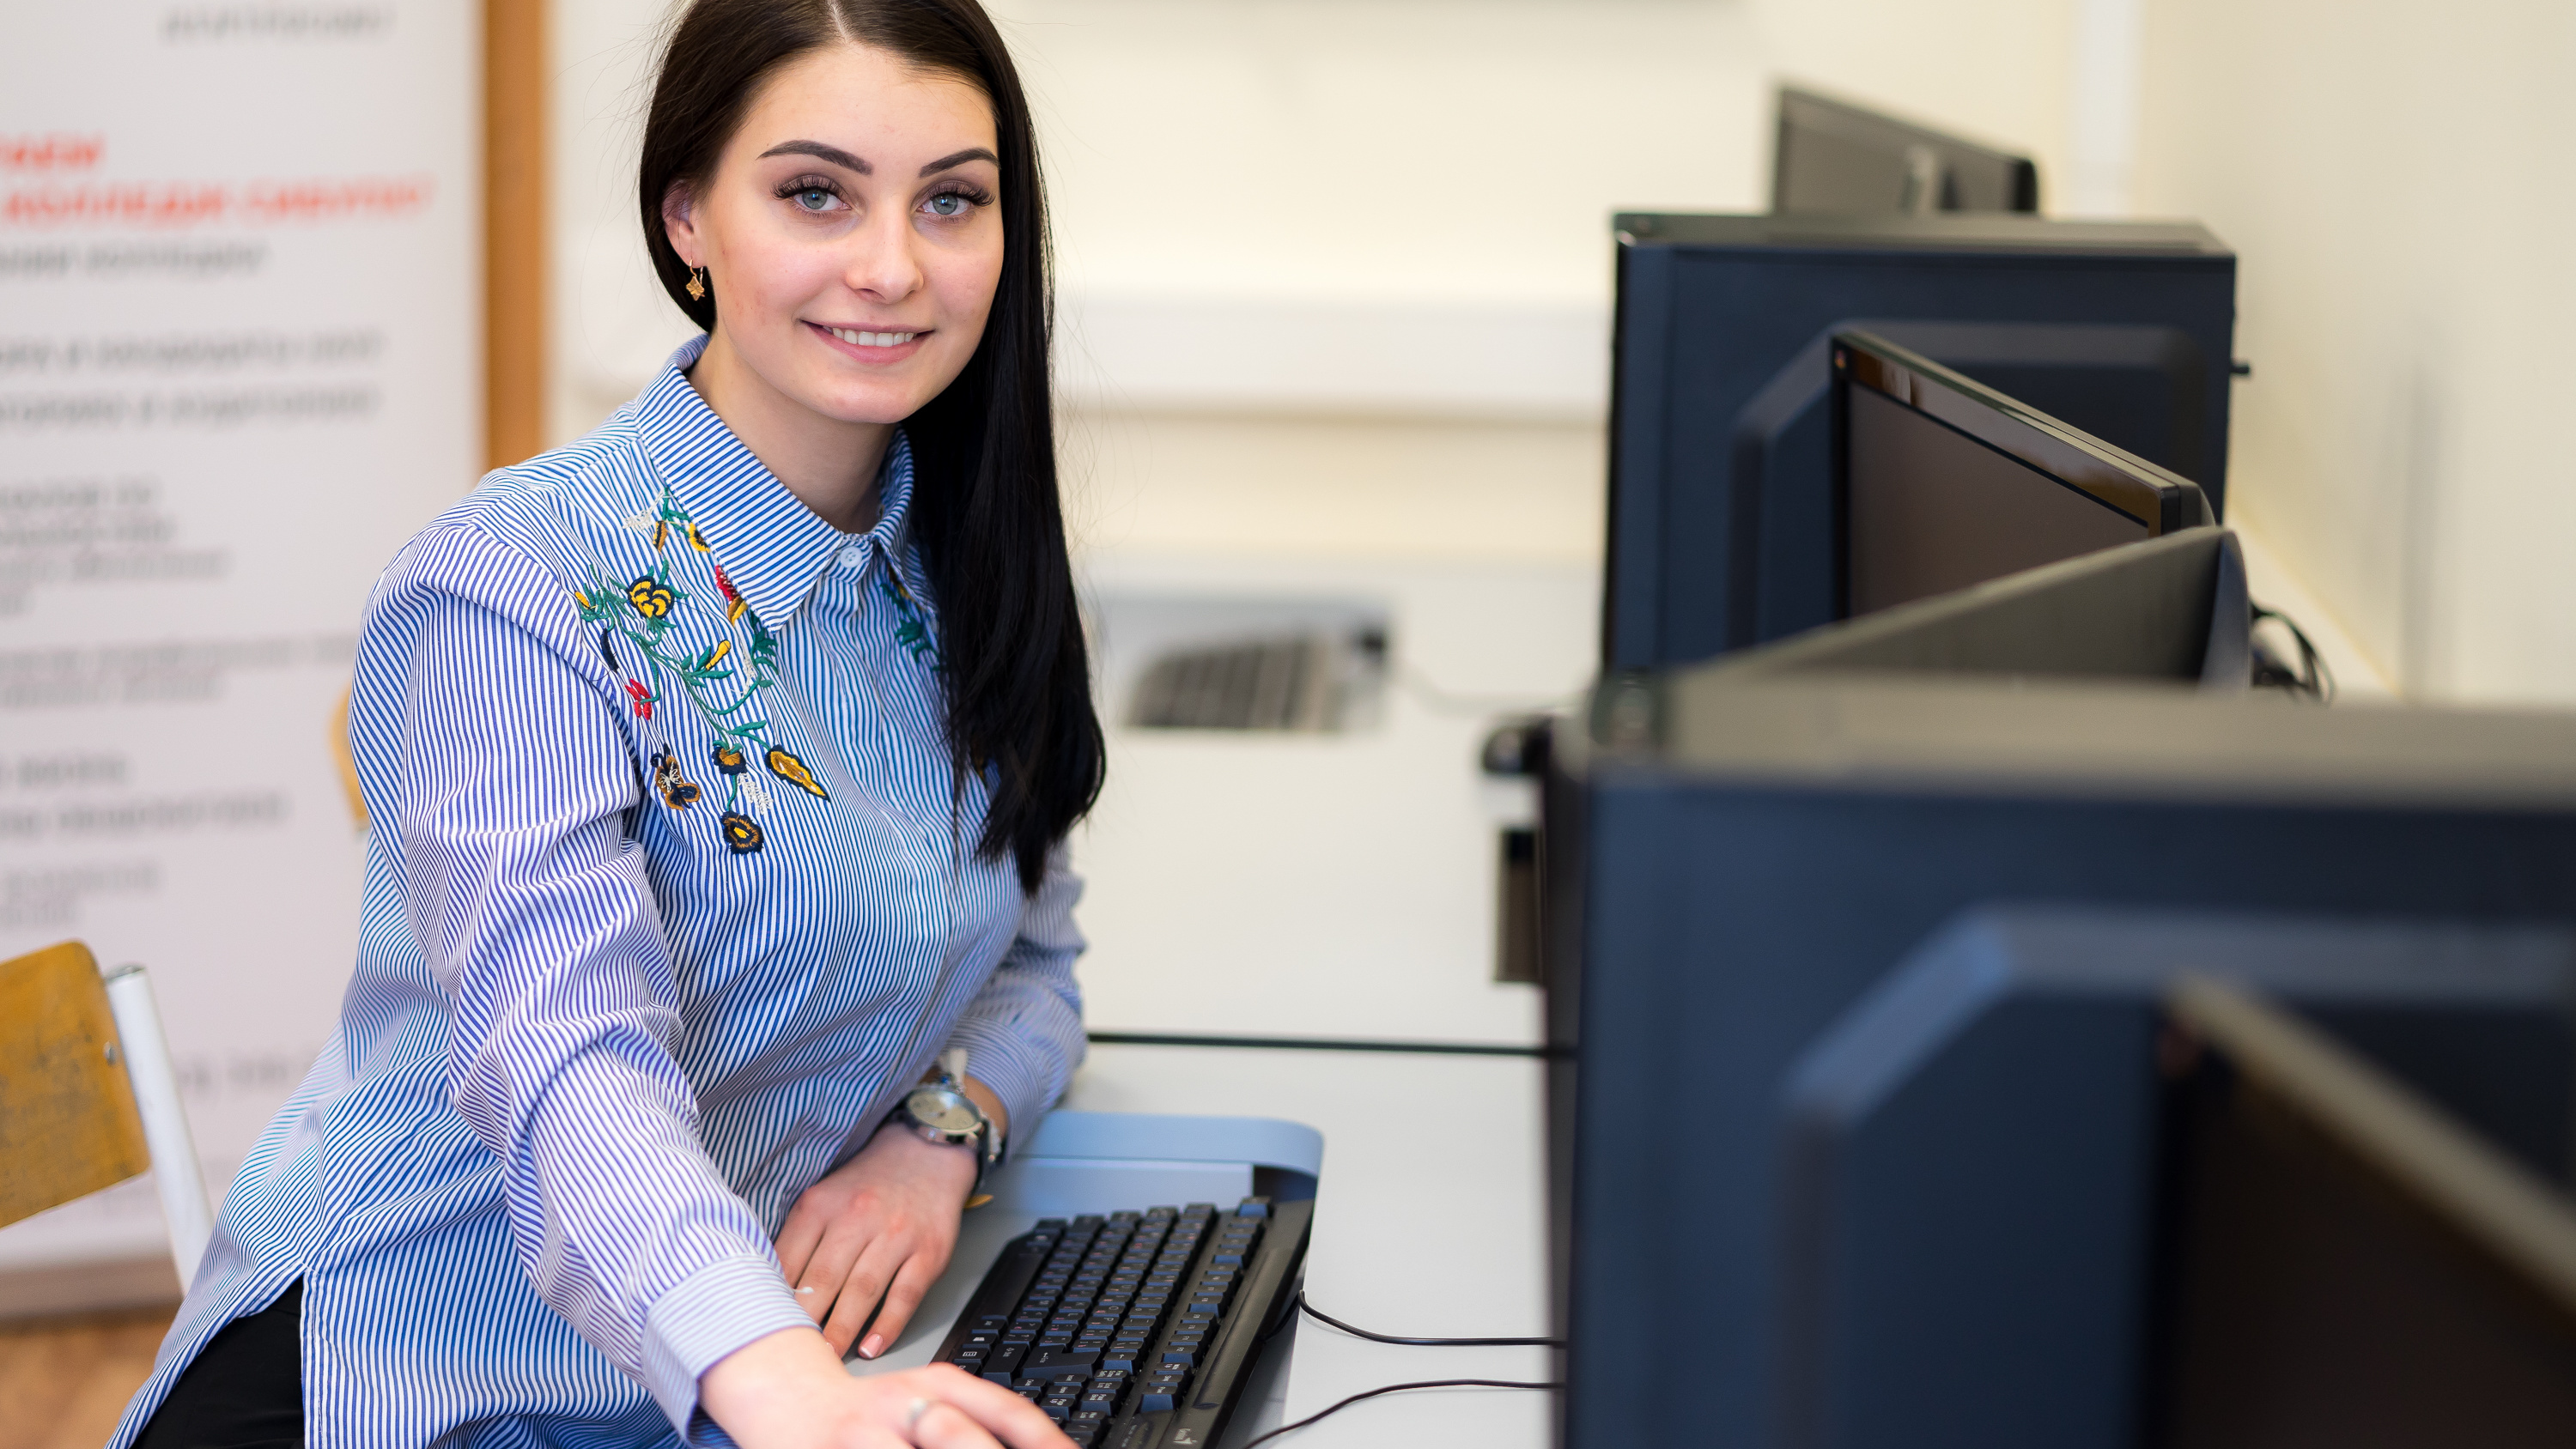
x: 721, y: 765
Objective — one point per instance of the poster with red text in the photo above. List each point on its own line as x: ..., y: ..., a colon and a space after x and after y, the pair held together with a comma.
x: 239, y: 364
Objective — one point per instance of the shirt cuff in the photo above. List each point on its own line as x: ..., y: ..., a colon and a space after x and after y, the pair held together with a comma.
x: 1001, y: 1060
x: 707, y: 1315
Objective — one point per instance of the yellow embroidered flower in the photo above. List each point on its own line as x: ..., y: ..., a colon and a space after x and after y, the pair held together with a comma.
x: 728, y: 759
x: 661, y: 533
x: 697, y: 540
x: 650, y: 599
x: 792, y: 770
x: 740, y: 834
x: 715, y: 655
x: 582, y: 599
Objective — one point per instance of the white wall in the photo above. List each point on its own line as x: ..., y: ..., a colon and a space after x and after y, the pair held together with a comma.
x: 1381, y: 208
x: 2395, y: 180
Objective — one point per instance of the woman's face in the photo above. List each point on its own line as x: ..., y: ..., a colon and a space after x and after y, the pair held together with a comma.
x: 850, y: 233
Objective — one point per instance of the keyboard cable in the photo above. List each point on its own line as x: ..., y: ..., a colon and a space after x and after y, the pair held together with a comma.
x: 1322, y: 1317
x: 1394, y: 1389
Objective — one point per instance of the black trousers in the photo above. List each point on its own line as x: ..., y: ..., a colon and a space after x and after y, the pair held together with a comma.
x: 244, y: 1391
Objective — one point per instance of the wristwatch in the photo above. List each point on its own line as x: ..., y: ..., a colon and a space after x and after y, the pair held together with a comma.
x: 941, y: 1112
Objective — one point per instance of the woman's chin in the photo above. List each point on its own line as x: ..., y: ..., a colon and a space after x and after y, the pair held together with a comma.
x: 874, y: 403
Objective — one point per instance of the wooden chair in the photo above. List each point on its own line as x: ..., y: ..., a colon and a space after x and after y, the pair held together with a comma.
x: 87, y: 1096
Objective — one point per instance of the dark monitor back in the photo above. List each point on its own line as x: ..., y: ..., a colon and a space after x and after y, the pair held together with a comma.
x: 1941, y: 483
x: 1722, y: 523
x: 1730, y: 863
x: 2171, y: 609
x: 2346, y: 1265
x: 1983, y: 1154
x: 1834, y: 157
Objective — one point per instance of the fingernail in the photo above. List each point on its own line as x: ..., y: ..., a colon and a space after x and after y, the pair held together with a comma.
x: 874, y: 1346
x: 801, y: 1292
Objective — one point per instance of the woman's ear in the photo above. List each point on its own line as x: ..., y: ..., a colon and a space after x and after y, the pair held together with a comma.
x: 679, y: 223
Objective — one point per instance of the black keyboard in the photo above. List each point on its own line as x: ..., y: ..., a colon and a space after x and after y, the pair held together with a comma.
x: 1136, y: 1329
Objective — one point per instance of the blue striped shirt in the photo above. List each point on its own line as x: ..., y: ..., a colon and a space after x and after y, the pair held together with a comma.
x: 671, y: 896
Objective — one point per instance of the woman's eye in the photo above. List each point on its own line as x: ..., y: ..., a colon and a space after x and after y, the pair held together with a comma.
x: 949, y: 203
x: 814, y: 198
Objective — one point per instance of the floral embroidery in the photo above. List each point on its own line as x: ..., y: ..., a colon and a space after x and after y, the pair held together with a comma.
x: 792, y: 770
x: 676, y: 791
x: 651, y: 597
x: 910, y: 630
x: 734, y: 605
x: 722, y: 683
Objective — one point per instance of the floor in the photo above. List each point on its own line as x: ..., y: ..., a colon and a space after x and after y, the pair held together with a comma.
x: 63, y: 1381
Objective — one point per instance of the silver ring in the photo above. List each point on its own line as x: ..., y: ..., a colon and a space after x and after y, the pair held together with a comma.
x: 912, y: 1413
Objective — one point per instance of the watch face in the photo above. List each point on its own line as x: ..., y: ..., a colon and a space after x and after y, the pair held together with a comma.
x: 943, y: 1109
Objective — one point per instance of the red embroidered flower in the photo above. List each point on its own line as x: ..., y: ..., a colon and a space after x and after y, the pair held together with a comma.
x: 733, y: 600
x: 641, y: 698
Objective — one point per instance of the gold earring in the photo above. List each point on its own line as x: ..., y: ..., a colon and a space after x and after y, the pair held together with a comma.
x: 697, y: 284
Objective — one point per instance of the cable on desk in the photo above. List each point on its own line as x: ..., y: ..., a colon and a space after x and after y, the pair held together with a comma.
x: 1395, y: 1389
x: 1323, y: 1317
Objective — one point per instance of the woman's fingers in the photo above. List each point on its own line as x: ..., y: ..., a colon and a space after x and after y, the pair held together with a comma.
x: 902, y: 1296
x: 992, y: 1409
x: 822, y: 1286
x: 802, y: 1234
x: 945, y: 1426
x: 863, y: 1287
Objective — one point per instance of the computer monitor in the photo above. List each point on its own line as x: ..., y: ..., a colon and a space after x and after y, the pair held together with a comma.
x: 1732, y: 859
x: 1722, y: 526
x: 1835, y: 157
x: 1941, y: 483
x: 2032, y: 1177
x: 2346, y: 1265
x: 2170, y: 609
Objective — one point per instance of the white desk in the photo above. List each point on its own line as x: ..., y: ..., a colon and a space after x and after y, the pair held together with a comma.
x: 1430, y: 1220
x: 1325, y: 885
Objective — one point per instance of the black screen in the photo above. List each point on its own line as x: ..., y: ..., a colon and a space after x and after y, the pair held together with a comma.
x: 1930, y: 510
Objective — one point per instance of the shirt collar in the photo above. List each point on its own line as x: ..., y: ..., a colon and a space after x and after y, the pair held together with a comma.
x: 771, y: 546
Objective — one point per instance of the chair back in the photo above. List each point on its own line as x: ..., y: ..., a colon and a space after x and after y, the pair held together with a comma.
x: 68, y: 1121
x: 88, y: 1097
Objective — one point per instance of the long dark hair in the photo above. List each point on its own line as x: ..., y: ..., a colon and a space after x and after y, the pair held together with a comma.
x: 985, y: 507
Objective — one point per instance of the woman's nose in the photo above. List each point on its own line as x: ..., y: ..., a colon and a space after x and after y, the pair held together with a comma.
x: 881, y: 265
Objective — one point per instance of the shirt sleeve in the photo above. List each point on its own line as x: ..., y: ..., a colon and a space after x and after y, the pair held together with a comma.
x: 1023, y: 1031
x: 530, y: 902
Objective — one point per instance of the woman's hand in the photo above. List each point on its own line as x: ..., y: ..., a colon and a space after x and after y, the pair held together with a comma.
x: 789, y: 1391
x: 879, y: 1230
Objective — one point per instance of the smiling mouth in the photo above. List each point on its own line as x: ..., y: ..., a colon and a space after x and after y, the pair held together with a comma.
x: 857, y: 338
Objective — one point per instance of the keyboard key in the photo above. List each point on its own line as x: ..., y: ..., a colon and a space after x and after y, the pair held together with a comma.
x: 1047, y: 1365
x: 1253, y: 1207
x: 1186, y: 1358
x: 1005, y: 1361
x: 1155, y: 1401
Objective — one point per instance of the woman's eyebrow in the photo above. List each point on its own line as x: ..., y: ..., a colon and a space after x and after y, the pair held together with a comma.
x: 821, y: 152
x: 971, y: 153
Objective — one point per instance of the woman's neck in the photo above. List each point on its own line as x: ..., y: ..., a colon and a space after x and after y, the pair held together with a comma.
x: 831, y: 466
